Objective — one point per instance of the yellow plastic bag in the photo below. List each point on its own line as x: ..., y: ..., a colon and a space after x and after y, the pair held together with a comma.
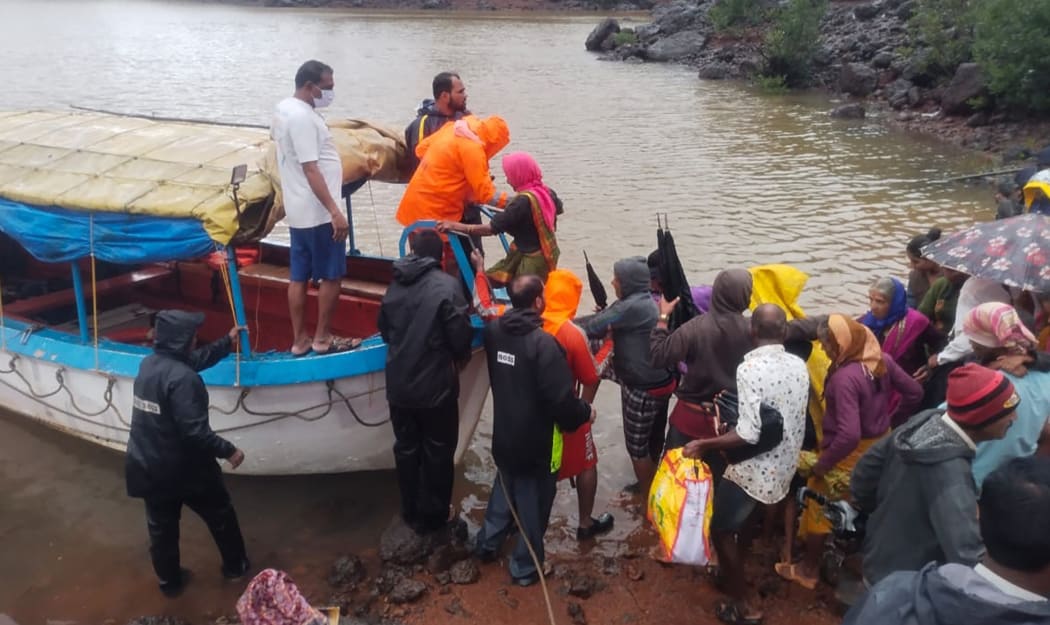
x: 680, y: 509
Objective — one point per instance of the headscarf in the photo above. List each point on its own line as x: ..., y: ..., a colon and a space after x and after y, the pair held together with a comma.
x: 524, y: 175
x: 854, y: 342
x: 995, y: 324
x: 562, y: 296
x: 272, y: 598
x: 898, y: 309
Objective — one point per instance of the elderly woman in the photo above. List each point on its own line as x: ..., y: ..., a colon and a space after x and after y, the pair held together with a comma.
x: 904, y: 333
x: 860, y: 385
x: 531, y: 218
x: 1000, y: 341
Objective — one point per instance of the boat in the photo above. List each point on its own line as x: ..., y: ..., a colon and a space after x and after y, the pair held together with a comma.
x: 106, y: 219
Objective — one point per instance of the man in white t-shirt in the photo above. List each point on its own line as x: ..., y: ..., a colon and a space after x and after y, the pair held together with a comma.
x: 769, y: 375
x: 311, y: 180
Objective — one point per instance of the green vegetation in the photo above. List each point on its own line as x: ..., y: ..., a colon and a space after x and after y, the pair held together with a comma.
x: 1012, y: 46
x: 625, y: 37
x: 944, y: 30
x: 776, y: 85
x: 730, y: 15
x: 794, y: 40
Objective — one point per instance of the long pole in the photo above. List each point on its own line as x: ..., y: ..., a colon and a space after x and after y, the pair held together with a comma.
x: 238, y: 300
x: 78, y: 292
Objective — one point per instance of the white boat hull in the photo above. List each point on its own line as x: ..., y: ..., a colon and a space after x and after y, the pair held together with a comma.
x: 283, y: 429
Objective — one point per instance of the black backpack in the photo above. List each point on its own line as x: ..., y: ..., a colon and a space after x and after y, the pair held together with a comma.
x: 772, y: 427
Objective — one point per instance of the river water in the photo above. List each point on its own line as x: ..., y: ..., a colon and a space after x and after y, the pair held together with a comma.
x: 745, y: 179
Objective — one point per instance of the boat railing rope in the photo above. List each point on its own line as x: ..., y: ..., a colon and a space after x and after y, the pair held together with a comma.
x: 335, y: 396
x: 301, y: 414
x: 78, y: 412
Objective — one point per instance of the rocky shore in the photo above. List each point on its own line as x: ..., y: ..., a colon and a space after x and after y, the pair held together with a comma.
x: 410, y: 580
x: 865, y: 57
x: 618, y: 6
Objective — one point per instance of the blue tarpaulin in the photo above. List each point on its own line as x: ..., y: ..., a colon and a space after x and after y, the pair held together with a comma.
x: 56, y: 235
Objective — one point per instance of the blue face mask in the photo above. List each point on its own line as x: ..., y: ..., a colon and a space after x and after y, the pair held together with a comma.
x: 327, y: 95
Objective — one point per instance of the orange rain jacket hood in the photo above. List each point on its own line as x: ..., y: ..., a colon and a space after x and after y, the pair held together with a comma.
x: 454, y: 170
x: 562, y: 297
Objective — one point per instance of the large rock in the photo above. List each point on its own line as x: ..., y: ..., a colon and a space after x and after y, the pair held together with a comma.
x: 849, y: 111
x: 857, y: 79
x: 346, y: 570
x: 647, y: 31
x: 715, y: 70
x: 400, y: 544
x: 678, y: 46
x: 866, y: 12
x: 882, y: 60
x: 601, y: 32
x: 677, y: 16
x: 968, y: 83
x: 906, y: 10
x: 897, y: 93
x: 407, y: 591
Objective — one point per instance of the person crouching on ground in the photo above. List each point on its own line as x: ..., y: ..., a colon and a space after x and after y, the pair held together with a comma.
x: 917, y: 483
x: 172, y: 449
x: 561, y: 297
x: 424, y: 321
x: 534, y: 400
x: 645, y: 390
x: 861, y: 381
x: 771, y: 376
x: 1012, y: 582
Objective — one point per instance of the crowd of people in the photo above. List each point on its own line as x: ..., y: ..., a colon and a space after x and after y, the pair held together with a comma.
x: 928, y: 413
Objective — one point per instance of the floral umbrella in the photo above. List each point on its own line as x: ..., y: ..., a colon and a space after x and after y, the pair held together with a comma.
x: 1011, y: 251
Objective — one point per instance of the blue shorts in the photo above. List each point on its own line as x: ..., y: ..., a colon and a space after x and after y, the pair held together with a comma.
x: 315, y: 256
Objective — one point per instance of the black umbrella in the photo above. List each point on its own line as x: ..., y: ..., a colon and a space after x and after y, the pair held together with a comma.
x: 601, y: 298
x: 672, y: 276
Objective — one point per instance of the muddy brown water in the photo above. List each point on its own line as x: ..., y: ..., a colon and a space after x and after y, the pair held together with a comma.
x: 745, y: 178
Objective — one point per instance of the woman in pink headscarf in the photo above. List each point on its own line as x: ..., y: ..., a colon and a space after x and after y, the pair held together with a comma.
x: 531, y: 218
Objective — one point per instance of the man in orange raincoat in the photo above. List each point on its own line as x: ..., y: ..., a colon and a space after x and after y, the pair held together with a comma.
x: 454, y: 170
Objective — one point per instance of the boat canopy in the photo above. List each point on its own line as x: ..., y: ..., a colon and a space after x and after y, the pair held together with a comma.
x: 136, y: 189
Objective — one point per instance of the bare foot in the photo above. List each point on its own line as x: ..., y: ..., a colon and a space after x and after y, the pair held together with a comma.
x: 301, y: 347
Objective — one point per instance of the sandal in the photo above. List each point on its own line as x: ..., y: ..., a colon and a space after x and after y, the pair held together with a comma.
x: 792, y: 573
x: 338, y: 344
x: 729, y: 612
x: 599, y: 525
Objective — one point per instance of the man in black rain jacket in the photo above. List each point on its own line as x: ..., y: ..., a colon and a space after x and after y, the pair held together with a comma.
x: 533, y: 396
x: 172, y: 449
x: 424, y: 321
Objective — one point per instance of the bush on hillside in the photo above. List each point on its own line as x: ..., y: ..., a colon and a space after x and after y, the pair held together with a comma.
x: 1012, y: 45
x: 793, y: 41
x: 943, y: 29
x: 727, y: 15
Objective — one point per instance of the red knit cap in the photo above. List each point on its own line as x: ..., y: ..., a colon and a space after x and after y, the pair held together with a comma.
x: 977, y: 396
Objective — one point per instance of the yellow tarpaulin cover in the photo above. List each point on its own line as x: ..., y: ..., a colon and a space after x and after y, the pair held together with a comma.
x: 93, y: 161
